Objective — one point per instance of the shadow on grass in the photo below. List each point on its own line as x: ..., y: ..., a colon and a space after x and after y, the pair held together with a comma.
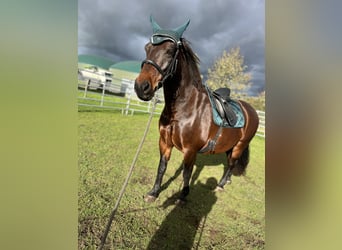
x: 201, y: 162
x: 208, y: 160
x: 180, y: 226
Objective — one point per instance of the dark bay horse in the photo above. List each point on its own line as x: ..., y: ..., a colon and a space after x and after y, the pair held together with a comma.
x: 186, y: 121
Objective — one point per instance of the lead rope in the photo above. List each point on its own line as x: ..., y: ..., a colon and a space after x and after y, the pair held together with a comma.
x: 105, y: 234
x: 200, y: 236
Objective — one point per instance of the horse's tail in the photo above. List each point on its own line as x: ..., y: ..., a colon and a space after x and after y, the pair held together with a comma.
x: 241, y: 163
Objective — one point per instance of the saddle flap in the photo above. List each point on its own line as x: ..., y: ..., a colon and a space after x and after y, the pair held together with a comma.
x: 219, y: 107
x: 221, y: 101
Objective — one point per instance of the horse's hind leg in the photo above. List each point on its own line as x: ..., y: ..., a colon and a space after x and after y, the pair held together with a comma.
x: 238, y: 159
x: 227, y: 172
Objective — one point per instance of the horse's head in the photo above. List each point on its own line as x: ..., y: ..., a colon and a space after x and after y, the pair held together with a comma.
x: 161, y: 60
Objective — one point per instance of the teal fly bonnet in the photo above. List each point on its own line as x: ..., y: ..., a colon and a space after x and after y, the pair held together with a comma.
x: 161, y: 35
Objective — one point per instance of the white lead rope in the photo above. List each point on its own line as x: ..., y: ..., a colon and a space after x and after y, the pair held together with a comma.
x: 112, y: 215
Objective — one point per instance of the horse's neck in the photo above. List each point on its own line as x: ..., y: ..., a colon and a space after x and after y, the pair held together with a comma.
x: 181, y: 89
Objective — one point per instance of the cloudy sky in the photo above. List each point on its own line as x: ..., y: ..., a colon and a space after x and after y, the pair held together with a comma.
x: 119, y: 29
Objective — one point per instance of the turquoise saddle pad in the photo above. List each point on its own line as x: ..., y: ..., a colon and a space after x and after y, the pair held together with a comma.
x: 240, y: 122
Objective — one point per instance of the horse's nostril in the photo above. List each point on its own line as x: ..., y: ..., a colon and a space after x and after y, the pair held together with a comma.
x: 146, y: 87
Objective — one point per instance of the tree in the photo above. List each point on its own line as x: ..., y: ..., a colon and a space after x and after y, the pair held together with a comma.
x: 229, y: 71
x: 258, y: 102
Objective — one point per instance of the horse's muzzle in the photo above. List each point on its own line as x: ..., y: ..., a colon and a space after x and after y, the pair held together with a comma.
x: 144, y: 90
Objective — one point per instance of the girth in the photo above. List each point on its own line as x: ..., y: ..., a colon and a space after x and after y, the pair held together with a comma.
x: 211, y: 143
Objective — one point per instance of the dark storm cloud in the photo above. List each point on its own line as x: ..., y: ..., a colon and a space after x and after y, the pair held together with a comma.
x: 119, y: 30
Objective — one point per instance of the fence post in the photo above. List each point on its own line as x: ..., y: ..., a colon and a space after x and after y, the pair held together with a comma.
x: 149, y: 107
x: 86, y: 88
x: 103, y: 92
x: 129, y: 96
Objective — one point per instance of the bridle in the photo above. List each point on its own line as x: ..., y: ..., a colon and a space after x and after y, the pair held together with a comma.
x: 170, y: 69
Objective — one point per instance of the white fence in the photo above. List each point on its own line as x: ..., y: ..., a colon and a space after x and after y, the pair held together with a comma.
x: 120, y: 95
x: 117, y: 95
x: 262, y: 122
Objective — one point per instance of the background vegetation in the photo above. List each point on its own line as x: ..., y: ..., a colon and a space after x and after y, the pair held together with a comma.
x: 229, y: 71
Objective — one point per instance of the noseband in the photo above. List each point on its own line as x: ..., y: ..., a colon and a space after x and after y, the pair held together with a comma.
x: 170, y: 69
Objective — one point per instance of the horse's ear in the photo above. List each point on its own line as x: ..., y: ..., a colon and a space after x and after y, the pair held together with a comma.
x: 182, y: 28
x: 155, y: 26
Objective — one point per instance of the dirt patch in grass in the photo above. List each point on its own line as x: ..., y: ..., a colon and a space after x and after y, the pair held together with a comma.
x: 253, y: 241
x: 89, y: 226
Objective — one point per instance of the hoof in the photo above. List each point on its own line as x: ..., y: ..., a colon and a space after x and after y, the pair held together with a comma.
x: 180, y: 202
x: 229, y: 182
x: 150, y: 198
x: 219, y: 189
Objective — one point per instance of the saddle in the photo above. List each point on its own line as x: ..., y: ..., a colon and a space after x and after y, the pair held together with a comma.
x: 226, y: 113
x: 221, y: 99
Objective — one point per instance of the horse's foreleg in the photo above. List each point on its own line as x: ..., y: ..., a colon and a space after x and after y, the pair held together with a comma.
x: 153, y: 194
x: 165, y: 153
x: 188, y: 164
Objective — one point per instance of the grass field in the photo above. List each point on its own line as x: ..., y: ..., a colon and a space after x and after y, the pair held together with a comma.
x: 233, y: 219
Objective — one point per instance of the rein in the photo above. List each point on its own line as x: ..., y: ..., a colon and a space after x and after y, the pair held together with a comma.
x: 170, y: 69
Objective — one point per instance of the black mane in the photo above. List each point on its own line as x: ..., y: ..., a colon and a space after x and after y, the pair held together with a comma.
x: 193, y: 62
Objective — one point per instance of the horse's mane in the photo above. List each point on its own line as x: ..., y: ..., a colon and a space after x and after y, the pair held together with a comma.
x: 193, y: 62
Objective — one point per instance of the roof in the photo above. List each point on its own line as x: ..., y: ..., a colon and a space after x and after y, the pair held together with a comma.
x: 101, y: 62
x: 132, y: 66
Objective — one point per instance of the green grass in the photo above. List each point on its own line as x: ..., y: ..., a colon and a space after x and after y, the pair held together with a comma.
x: 233, y: 219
